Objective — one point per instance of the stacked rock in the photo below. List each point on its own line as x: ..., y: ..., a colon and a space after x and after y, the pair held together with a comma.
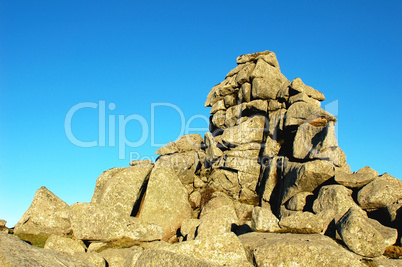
x: 264, y: 128
x: 270, y: 163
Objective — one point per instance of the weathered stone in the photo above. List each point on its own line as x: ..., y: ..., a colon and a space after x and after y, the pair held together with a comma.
x: 305, y: 177
x: 368, y: 170
x: 298, y: 85
x: 212, y: 151
x: 170, y: 148
x: 226, y: 87
x: 188, y: 142
x: 15, y: 252
x: 157, y: 257
x: 47, y: 214
x: 395, y: 211
x: 94, y: 246
x: 268, y: 56
x: 298, y: 201
x: 276, y: 121
x: 189, y: 227
x: 283, y: 93
x: 218, y: 119
x: 244, y: 74
x: 381, y: 192
x: 120, y: 191
x: 64, y: 244
x: 122, y: 256
x: 220, y: 105
x: 334, y: 197
x: 142, y: 163
x: 217, y: 217
x: 271, y: 147
x: 93, y: 258
x: 166, y: 201
x: 263, y: 220
x: 230, y: 100
x: 195, y: 199
x: 264, y: 88
x: 244, y: 94
x: 250, y: 130
x: 271, y: 178
x: 270, y: 249
x: 226, y: 181
x: 3, y: 223
x: 314, y: 142
x: 243, y: 211
x: 353, y: 180
x: 184, y: 165
x: 274, y: 105
x: 307, y: 221
x: 302, y: 97
x: 301, y: 112
x: 91, y: 221
x: 365, y: 236
x: 225, y: 249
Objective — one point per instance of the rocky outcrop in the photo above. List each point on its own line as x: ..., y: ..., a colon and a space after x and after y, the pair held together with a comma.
x: 270, y: 165
x: 47, y: 214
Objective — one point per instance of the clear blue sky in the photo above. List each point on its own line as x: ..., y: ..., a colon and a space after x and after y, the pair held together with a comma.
x: 55, y: 55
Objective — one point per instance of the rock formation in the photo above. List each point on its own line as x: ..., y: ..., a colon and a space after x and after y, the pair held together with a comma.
x: 267, y: 186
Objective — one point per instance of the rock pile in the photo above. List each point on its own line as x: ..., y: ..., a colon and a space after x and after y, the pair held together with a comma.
x: 267, y: 186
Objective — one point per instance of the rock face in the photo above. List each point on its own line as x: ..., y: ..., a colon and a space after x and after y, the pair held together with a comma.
x: 47, y: 214
x: 269, y: 163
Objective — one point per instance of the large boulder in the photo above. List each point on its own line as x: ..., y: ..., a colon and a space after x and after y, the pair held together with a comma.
x: 121, y: 257
x: 47, y: 214
x: 185, y: 143
x: 91, y: 221
x: 157, y: 257
x: 365, y: 236
x: 64, y: 244
x: 120, y: 188
x: 271, y: 249
x: 166, y: 201
x: 217, y: 217
x: 353, y: 180
x: 15, y: 252
x: 263, y: 220
x: 250, y: 130
x: 307, y: 221
x: 305, y: 177
x: 381, y: 192
x: 225, y: 249
x: 334, y: 197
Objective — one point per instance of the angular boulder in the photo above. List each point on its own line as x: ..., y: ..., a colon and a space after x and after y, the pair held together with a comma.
x: 271, y: 249
x: 93, y: 222
x: 121, y: 188
x: 263, y: 220
x: 225, y: 249
x: 47, y: 214
x: 365, y: 236
x: 334, y: 197
x: 381, y: 192
x: 166, y: 201
x: 64, y: 244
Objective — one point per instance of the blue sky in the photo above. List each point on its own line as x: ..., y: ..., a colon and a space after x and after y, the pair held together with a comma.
x: 127, y: 55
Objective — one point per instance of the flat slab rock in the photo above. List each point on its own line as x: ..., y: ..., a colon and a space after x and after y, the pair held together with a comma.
x: 270, y: 249
x: 15, y: 252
